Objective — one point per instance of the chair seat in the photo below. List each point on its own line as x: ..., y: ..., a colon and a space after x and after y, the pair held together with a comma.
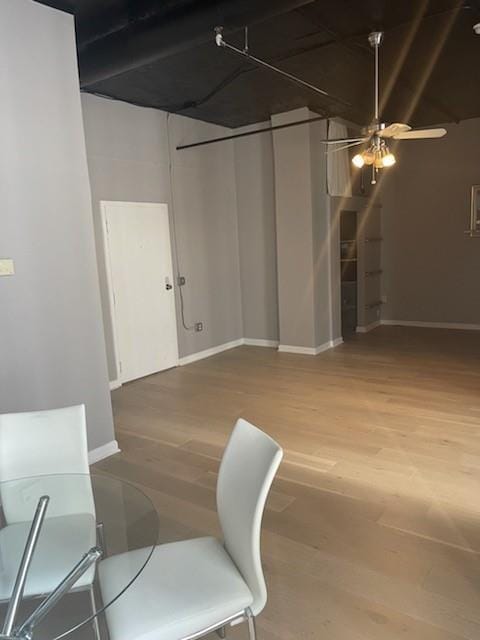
x: 186, y: 587
x: 62, y: 543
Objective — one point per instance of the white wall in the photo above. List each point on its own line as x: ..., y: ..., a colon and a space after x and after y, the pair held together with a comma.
x: 128, y: 157
x: 52, y: 348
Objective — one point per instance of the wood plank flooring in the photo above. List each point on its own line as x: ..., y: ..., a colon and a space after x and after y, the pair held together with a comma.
x: 372, y: 529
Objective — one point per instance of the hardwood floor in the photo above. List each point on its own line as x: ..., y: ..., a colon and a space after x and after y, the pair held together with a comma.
x: 372, y: 530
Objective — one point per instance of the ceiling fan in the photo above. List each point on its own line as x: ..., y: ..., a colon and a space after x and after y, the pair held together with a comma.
x: 377, y: 154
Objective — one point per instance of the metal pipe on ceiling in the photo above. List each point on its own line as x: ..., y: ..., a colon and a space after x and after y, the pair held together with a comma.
x: 219, y: 39
x: 254, y: 132
x: 145, y: 41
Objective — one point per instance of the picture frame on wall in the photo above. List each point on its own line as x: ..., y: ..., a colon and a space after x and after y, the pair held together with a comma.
x: 474, y: 230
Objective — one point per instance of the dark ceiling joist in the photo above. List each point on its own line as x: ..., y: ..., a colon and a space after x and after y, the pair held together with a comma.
x: 161, y: 35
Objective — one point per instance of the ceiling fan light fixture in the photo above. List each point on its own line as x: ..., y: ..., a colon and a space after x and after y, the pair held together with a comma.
x: 358, y: 160
x: 389, y: 159
x: 378, y: 162
x: 368, y: 156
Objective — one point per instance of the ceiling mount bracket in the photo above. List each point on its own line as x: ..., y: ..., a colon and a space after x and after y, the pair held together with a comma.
x: 219, y: 36
x: 375, y: 38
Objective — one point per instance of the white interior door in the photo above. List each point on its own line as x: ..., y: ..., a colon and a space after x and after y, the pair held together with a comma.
x: 139, y: 261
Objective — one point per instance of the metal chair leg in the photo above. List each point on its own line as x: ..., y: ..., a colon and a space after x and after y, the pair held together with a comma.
x: 101, y: 537
x: 96, y: 626
x: 252, y: 629
x: 222, y: 632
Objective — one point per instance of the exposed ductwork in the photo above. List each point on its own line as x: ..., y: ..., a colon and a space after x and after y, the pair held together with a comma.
x: 161, y: 33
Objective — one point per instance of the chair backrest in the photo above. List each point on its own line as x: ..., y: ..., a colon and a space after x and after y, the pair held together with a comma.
x: 248, y: 467
x: 44, y: 443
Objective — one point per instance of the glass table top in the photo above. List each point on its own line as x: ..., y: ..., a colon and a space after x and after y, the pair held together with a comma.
x: 86, y: 518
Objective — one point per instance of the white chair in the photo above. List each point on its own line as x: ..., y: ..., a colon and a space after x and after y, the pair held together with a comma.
x: 193, y: 587
x: 33, y: 446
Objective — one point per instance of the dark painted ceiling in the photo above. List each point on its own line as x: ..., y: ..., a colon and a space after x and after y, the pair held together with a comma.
x: 162, y: 54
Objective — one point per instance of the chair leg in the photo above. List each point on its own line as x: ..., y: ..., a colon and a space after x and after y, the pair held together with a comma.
x: 252, y: 629
x: 222, y: 632
x: 96, y: 626
x: 101, y: 537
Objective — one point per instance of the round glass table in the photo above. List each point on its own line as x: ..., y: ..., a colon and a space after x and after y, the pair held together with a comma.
x: 54, y: 532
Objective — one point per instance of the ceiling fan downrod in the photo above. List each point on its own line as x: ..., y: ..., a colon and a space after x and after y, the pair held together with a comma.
x: 375, y: 39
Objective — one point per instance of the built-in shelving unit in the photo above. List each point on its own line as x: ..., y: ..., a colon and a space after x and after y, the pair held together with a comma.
x: 348, y: 271
x: 372, y: 274
x: 360, y: 265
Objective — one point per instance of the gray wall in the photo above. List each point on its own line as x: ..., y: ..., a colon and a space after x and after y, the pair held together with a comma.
x: 294, y: 219
x: 303, y: 233
x: 52, y: 349
x: 128, y: 157
x: 255, y: 184
x: 322, y: 237
x: 431, y: 268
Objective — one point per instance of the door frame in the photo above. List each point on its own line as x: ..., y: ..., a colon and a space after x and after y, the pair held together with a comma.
x: 109, y: 277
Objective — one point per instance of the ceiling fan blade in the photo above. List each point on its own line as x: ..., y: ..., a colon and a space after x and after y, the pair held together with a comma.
x: 419, y: 134
x: 342, y: 140
x: 393, y: 129
x: 346, y: 146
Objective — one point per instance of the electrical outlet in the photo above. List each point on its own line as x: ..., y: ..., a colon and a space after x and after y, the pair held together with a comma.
x: 181, y: 280
x: 199, y: 326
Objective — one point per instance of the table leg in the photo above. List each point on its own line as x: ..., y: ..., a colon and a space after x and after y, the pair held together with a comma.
x: 22, y: 573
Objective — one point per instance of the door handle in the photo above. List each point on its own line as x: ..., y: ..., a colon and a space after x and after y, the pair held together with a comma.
x: 168, y: 287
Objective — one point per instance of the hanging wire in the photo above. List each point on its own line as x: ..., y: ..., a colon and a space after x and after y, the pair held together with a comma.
x: 174, y: 230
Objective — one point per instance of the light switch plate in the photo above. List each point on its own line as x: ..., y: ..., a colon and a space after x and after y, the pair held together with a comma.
x: 6, y: 267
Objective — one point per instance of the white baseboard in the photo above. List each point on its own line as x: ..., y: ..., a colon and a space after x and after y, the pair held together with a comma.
x: 369, y: 327
x: 106, y: 450
x: 206, y: 353
x: 433, y: 325
x: 310, y: 351
x: 115, y: 384
x: 253, y: 342
x: 289, y: 348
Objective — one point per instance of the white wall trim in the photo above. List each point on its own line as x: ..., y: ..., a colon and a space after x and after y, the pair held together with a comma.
x: 432, y: 325
x: 288, y: 348
x: 310, y: 351
x: 106, y: 450
x: 115, y: 384
x: 369, y: 327
x: 254, y: 342
x: 206, y: 353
